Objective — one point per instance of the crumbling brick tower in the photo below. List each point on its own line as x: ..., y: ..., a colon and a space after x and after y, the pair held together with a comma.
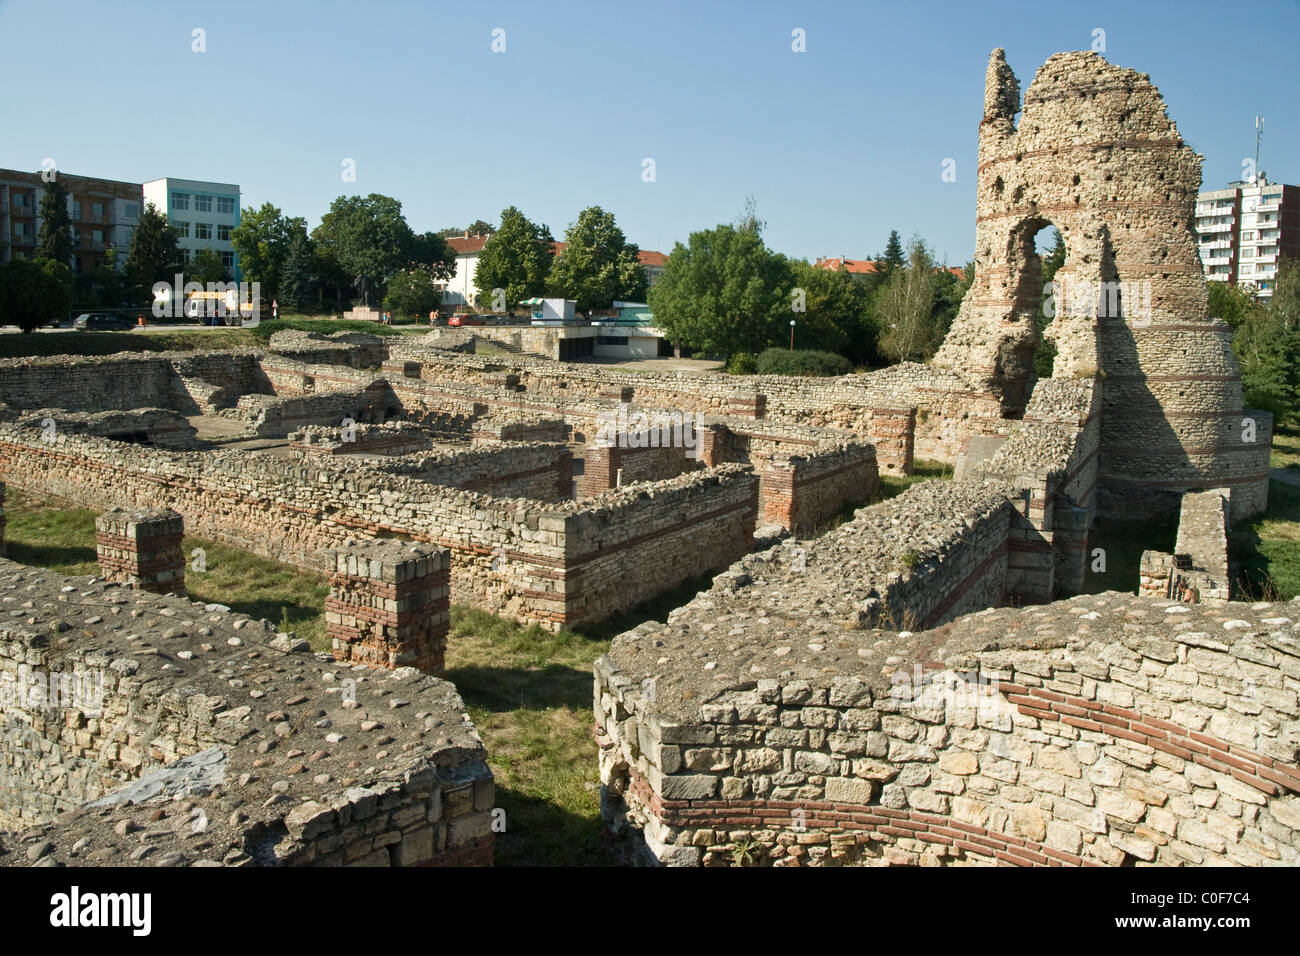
x: 1095, y: 155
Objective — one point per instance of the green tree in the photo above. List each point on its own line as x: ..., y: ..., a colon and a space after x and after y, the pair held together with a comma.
x: 516, y: 258
x: 1229, y: 302
x: 155, y: 254
x: 893, y: 254
x: 56, y: 226
x: 412, y: 292
x: 206, y: 266
x: 836, y: 316
x: 34, y: 292
x: 299, y: 281
x: 1045, y: 354
x: 369, y: 240
x: 725, y: 292
x: 262, y: 241
x: 107, y: 284
x: 598, y: 266
x: 905, y: 308
x: 476, y: 228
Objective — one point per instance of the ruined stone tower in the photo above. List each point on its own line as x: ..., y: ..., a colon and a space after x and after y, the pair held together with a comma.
x: 1095, y: 155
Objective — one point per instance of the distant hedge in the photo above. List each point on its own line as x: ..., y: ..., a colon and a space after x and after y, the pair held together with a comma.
x: 264, y: 330
x: 801, y: 362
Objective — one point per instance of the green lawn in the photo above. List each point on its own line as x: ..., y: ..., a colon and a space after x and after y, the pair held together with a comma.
x: 1122, y: 543
x: 1286, y: 448
x: 1266, y: 549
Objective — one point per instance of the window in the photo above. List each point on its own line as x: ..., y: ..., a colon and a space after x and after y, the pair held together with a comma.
x: 1247, y: 235
x: 185, y: 256
x: 1247, y: 267
x: 226, y: 205
x: 203, y: 230
x: 97, y: 210
x: 223, y: 233
x: 98, y: 238
x: 203, y: 204
x: 182, y: 228
x: 130, y: 211
x: 1248, y: 252
x: 611, y: 340
x: 20, y: 200
x: 76, y: 209
x: 180, y: 200
x: 228, y: 259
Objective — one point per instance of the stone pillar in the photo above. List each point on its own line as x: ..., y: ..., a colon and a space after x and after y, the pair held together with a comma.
x: 600, y: 466
x: 2, y: 518
x: 142, y: 548
x: 711, y: 443
x: 893, y: 432
x: 389, y: 604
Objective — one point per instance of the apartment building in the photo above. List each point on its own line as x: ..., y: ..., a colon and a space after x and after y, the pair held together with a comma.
x: 1244, y: 229
x: 204, y: 215
x: 103, y: 213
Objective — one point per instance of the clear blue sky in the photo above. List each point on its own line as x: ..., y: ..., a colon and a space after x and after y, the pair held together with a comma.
x: 839, y: 144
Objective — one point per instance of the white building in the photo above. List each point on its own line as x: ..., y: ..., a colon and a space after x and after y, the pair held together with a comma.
x: 1243, y: 230
x: 203, y: 213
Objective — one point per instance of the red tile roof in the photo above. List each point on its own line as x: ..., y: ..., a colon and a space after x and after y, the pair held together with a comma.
x: 464, y: 246
x: 867, y: 266
x: 651, y: 258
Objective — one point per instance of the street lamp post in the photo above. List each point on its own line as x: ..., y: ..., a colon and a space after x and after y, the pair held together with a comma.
x: 792, y: 335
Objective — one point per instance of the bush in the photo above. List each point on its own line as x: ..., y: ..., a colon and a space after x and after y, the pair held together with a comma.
x: 741, y: 363
x: 264, y: 330
x: 801, y: 362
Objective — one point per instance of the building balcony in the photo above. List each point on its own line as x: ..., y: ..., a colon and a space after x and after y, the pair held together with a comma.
x: 1217, y: 261
x: 1215, y: 227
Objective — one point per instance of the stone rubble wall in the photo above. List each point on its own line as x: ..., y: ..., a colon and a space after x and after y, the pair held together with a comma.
x: 153, y: 426
x: 1101, y: 730
x: 387, y: 438
x: 535, y: 470
x: 309, y: 762
x: 528, y: 560
x: 800, y: 492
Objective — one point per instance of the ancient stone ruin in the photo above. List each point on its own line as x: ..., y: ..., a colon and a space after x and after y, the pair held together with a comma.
x: 922, y: 682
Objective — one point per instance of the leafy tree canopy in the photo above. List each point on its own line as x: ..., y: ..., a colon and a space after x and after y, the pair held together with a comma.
x: 517, y: 258
x: 598, y: 266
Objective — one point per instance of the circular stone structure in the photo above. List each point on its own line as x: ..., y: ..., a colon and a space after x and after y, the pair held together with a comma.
x: 1095, y: 155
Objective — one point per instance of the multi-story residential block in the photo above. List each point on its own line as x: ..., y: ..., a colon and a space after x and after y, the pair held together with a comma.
x: 103, y: 213
x: 203, y: 213
x: 1244, y: 229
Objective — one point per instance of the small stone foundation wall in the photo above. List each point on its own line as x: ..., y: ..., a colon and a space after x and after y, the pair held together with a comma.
x: 196, y: 735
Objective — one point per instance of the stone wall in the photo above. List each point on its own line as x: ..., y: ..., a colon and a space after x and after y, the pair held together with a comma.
x: 529, y: 560
x: 389, y: 438
x: 801, y: 491
x: 200, y: 736
x: 1057, y: 735
x: 1198, y: 571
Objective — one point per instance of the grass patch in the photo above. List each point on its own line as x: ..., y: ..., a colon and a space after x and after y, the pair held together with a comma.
x: 893, y: 485
x: 264, y: 330
x: 110, y: 343
x: 1122, y: 542
x: 1286, y: 448
x: 1265, y: 551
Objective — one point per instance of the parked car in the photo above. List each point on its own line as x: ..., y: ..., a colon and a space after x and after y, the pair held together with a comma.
x: 101, y: 322
x: 461, y: 319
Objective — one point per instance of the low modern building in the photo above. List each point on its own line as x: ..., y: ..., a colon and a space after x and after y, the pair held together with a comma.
x: 203, y: 213
x: 103, y: 213
x: 1243, y: 231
